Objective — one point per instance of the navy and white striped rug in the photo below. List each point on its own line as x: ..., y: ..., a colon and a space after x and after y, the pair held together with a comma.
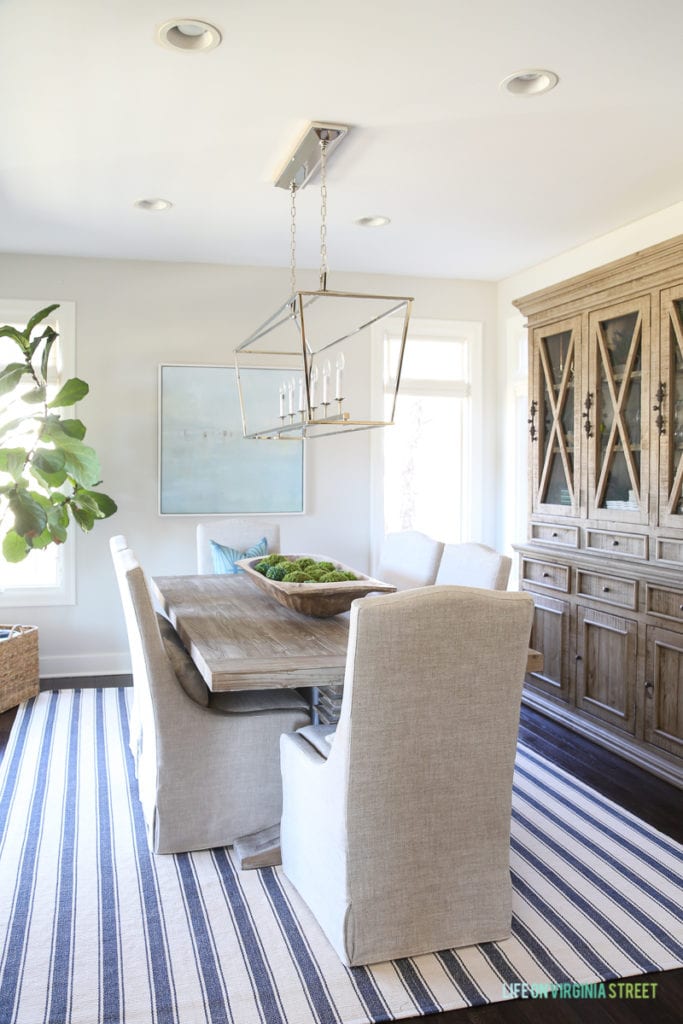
x: 96, y: 930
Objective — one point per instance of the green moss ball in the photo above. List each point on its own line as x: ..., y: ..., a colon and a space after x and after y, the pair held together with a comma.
x: 336, y: 576
x: 295, y: 577
x: 276, y: 572
x: 262, y: 567
x: 327, y: 566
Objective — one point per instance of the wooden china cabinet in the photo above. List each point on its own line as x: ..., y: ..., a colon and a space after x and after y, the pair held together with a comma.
x: 604, y: 554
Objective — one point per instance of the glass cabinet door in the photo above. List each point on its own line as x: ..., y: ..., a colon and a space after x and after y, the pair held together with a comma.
x: 669, y: 408
x: 617, y: 405
x: 554, y: 417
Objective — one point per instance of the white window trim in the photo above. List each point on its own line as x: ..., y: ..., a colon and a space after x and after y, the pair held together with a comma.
x: 64, y: 321
x: 425, y: 328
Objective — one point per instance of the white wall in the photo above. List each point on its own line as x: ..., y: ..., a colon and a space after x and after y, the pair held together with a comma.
x: 648, y: 231
x: 131, y: 316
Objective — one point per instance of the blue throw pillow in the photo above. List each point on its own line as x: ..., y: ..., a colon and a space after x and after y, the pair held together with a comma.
x: 224, y: 558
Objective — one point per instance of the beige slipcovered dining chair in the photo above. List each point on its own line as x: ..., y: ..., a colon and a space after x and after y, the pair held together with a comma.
x: 236, y: 533
x: 474, y: 565
x: 399, y: 839
x: 208, y: 764
x: 409, y: 559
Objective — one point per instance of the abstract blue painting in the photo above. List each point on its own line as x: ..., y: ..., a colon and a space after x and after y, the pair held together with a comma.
x: 206, y: 466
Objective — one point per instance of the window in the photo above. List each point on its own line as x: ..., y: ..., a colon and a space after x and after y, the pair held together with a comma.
x: 425, y: 461
x: 45, y: 577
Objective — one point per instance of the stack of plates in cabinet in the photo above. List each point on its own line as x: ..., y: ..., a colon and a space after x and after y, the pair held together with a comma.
x: 327, y: 706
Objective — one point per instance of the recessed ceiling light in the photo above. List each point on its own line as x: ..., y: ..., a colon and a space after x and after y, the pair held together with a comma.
x: 373, y: 222
x: 153, y: 204
x: 188, y: 34
x: 531, y: 82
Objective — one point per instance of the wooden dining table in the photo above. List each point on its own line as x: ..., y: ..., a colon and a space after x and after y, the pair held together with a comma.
x: 241, y: 639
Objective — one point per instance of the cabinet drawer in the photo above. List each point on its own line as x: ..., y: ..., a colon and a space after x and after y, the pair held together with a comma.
x: 668, y: 604
x: 549, y: 533
x: 669, y: 549
x: 609, y: 589
x: 545, y: 574
x: 625, y: 545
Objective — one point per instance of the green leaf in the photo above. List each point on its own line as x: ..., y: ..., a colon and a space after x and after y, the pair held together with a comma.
x: 73, y: 428
x: 69, y: 394
x: 11, y: 332
x: 106, y: 505
x: 84, y: 518
x: 57, y: 523
x: 42, y: 540
x: 48, y: 480
x: 35, y: 396
x: 12, y: 461
x: 50, y: 337
x: 11, y: 375
x: 80, y: 460
x: 48, y: 460
x: 14, y: 547
x: 7, y: 428
x: 38, y: 318
x: 83, y: 501
x: 30, y: 518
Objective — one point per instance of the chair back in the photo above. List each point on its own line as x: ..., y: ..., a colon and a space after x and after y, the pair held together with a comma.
x: 474, y: 565
x: 409, y: 559
x: 428, y: 734
x: 235, y: 533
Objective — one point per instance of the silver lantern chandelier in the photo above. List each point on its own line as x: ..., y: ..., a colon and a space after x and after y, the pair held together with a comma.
x: 305, y: 371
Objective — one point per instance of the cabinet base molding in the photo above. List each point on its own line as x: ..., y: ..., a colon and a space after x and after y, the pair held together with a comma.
x: 629, y: 748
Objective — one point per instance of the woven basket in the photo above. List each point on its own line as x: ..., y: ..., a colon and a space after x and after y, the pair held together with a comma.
x: 19, y: 672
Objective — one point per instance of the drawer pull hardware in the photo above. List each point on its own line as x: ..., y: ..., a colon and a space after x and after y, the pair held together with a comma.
x: 555, y: 533
x: 615, y: 543
x: 578, y: 658
x: 545, y: 575
x: 588, y: 427
x: 659, y: 419
x: 533, y: 409
x: 605, y: 590
x: 680, y: 607
x: 649, y: 686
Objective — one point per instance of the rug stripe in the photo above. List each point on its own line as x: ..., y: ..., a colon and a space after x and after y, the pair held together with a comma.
x: 623, y: 842
x: 11, y: 764
x: 309, y: 973
x: 59, y: 985
x: 415, y: 984
x: 217, y: 998
x: 165, y: 1005
x: 254, y: 958
x: 24, y: 888
x: 606, y: 806
x: 645, y: 920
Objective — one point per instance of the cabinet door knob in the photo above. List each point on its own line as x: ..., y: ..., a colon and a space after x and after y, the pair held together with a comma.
x: 578, y: 658
x: 649, y: 686
x: 605, y: 590
x: 615, y: 543
x: 680, y: 607
x: 545, y: 575
x: 554, y: 533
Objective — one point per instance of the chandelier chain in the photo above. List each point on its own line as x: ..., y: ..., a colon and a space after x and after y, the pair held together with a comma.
x: 323, y: 213
x: 292, y: 238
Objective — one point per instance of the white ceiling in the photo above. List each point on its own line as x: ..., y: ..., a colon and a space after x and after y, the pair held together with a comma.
x: 478, y: 183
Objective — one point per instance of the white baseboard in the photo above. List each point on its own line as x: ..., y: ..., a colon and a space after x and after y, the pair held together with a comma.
x: 84, y: 665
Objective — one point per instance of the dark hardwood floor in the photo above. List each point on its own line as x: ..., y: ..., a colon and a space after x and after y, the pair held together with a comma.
x: 652, y: 800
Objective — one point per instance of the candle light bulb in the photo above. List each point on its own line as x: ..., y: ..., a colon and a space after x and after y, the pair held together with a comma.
x: 340, y: 362
x: 283, y: 392
x: 302, y: 405
x: 327, y: 370
x: 312, y: 385
x: 292, y: 385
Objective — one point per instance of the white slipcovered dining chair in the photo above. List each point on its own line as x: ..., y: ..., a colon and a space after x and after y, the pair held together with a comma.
x: 237, y: 533
x: 399, y: 839
x: 474, y: 565
x: 409, y: 559
x: 208, y: 764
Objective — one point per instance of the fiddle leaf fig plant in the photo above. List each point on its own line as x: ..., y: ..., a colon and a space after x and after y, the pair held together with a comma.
x: 48, y: 476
